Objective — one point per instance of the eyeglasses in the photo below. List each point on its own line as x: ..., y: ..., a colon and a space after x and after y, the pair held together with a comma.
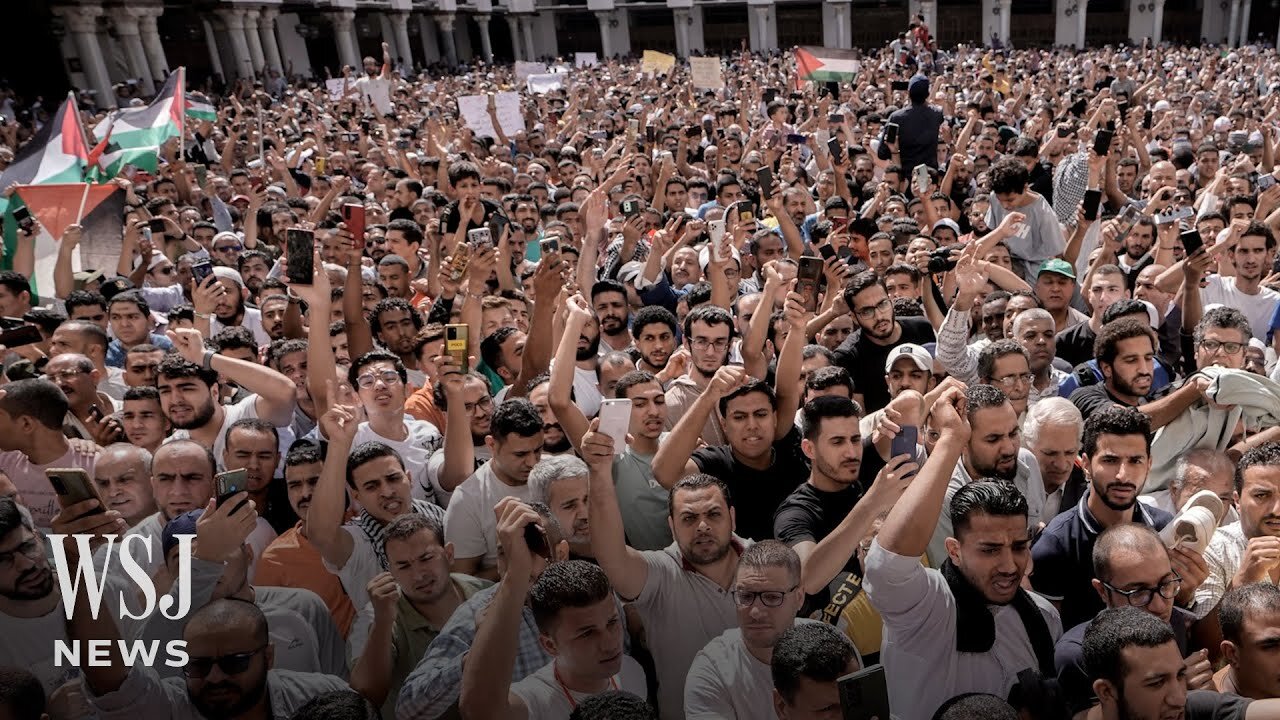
x: 768, y: 598
x: 388, y: 377
x: 30, y: 549
x: 867, y: 313
x: 199, y: 667
x: 1142, y: 597
x: 1213, y: 346
x: 66, y: 374
x: 1009, y: 381
x: 167, y: 270
x: 701, y: 343
x: 484, y: 404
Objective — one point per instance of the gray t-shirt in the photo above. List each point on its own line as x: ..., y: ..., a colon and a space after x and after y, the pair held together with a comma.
x: 642, y: 500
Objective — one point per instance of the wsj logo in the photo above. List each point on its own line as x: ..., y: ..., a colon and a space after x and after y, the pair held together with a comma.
x: 84, y: 577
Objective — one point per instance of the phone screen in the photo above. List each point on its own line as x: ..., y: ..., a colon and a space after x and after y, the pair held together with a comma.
x: 765, y: 177
x: 807, y: 276
x: 615, y: 419
x: 301, y: 246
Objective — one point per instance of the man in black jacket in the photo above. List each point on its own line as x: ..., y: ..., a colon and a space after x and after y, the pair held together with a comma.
x: 917, y: 129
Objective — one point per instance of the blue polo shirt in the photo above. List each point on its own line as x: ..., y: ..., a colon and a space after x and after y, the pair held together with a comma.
x: 1063, y: 558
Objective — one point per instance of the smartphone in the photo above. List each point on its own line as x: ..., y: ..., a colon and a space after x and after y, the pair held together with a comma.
x: 835, y: 118
x: 1102, y: 142
x: 402, y: 144
x: 455, y: 344
x: 1123, y: 107
x: 227, y: 484
x: 19, y: 336
x: 615, y: 419
x: 536, y: 538
x: 1172, y: 216
x: 461, y: 258
x: 320, y: 164
x: 1063, y: 131
x: 864, y: 694
x: 480, y: 239
x: 549, y: 245
x: 827, y: 252
x: 1079, y: 107
x: 353, y: 217
x: 633, y: 127
x: 1092, y: 199
x: 904, y: 443
x: 891, y: 133
x: 807, y: 277
x: 1191, y: 241
x: 22, y: 215
x: 200, y: 271
x: 692, y: 131
x: 1146, y: 120
x: 1266, y: 180
x: 836, y: 149
x: 746, y: 214
x: 630, y: 207
x: 795, y: 139
x: 301, y: 247
x: 202, y: 175
x: 764, y: 176
x: 898, y: 85
x: 72, y: 486
x: 715, y: 230
x: 920, y: 180
x: 649, y: 133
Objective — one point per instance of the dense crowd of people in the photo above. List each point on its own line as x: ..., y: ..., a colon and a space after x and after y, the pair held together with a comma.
x: 948, y: 391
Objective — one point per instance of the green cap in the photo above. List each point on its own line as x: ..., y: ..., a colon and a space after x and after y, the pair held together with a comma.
x: 1057, y: 265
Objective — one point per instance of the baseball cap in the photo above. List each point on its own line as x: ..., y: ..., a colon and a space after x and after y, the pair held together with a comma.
x: 919, y: 355
x: 1222, y: 124
x: 1057, y: 265
x: 184, y: 524
x: 1161, y: 106
x: 948, y: 223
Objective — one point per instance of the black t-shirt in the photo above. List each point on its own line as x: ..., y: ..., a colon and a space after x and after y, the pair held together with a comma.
x: 756, y: 494
x: 1209, y: 705
x: 1075, y: 344
x: 452, y: 216
x: 865, y: 360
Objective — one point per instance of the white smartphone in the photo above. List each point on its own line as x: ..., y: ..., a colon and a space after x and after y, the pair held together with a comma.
x: 715, y: 229
x: 615, y: 420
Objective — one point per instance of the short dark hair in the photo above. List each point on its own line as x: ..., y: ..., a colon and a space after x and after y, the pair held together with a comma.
x: 517, y: 415
x: 142, y: 392
x: 1265, y: 455
x: 981, y: 397
x: 1115, y: 629
x: 997, y: 498
x: 234, y: 337
x: 608, y: 286
x: 1227, y: 318
x: 253, y: 424
x: 821, y: 408
x: 372, y: 357
x: 337, y: 705
x: 709, y: 315
x: 12, y: 517
x: 771, y: 553
x: 613, y: 705
x: 632, y: 379
x: 173, y: 365
x: 568, y: 584
x: 1124, y: 307
x: 652, y: 315
x: 491, y: 346
x: 390, y: 303
x: 15, y: 282
x: 826, y: 377
x: 975, y: 706
x: 860, y: 282
x: 37, y: 398
x: 410, y: 524
x: 752, y: 385
x: 133, y: 297
x: 1008, y: 175
x: 697, y: 481
x: 84, y: 298
x: 994, y: 351
x: 412, y: 232
x: 22, y: 693
x: 1106, y: 345
x: 1261, y: 597
x: 816, y: 651
x: 93, y: 333
x: 1114, y: 420
x: 367, y: 452
x: 303, y: 452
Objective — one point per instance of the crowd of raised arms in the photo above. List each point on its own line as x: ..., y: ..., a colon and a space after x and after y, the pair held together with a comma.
x: 677, y: 403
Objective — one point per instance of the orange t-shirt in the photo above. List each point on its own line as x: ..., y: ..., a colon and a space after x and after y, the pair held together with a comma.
x: 292, y: 561
x: 421, y: 405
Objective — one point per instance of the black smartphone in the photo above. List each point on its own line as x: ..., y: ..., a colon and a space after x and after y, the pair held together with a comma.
x: 891, y: 133
x: 827, y: 252
x: 836, y: 149
x: 1078, y: 107
x: 1191, y: 241
x: 1123, y: 107
x: 301, y: 246
x: 808, y: 274
x: 1102, y: 142
x: 536, y: 538
x: 72, y: 485
x: 904, y: 443
x: 833, y: 89
x: 1146, y: 120
x: 230, y: 483
x: 864, y: 694
x: 630, y: 207
x: 22, y: 216
x: 1092, y: 199
x: 650, y: 132
x: 765, y: 177
x: 898, y: 85
x: 1063, y: 131
x: 19, y: 336
x: 692, y: 131
x: 835, y: 118
x: 770, y: 94
x: 156, y: 226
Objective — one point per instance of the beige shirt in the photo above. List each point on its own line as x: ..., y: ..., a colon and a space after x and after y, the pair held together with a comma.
x: 681, y: 395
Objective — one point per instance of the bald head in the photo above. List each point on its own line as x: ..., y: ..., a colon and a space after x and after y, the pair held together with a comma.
x: 1123, y: 542
x: 228, y: 614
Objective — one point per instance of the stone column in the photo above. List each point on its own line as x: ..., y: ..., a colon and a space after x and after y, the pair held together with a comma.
x: 151, y: 44
x: 513, y: 26
x: 762, y: 27
x: 82, y: 23
x: 267, y: 32
x: 606, y: 35
x: 446, y: 37
x: 254, y: 41
x: 400, y: 21
x: 486, y: 44
x: 1245, y: 13
x: 1006, y: 17
x: 527, y: 23
x: 233, y: 18
x: 1233, y: 23
x: 126, y: 25
x: 344, y: 31
x: 211, y: 42
x: 841, y: 22
x: 681, y: 18
x: 1157, y: 21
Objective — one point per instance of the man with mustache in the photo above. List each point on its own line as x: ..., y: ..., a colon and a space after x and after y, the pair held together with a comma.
x: 1126, y: 351
x: 1116, y: 453
x: 653, y: 333
x: 253, y: 445
x: 291, y: 560
x: 554, y: 439
x: 993, y: 451
x: 560, y: 483
x: 609, y: 300
x: 122, y: 475
x: 872, y: 309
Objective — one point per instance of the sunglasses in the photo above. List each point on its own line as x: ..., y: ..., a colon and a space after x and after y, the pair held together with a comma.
x: 199, y: 667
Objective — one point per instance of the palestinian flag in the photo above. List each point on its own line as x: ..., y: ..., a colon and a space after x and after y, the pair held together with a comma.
x: 199, y: 109
x: 134, y: 135
x: 826, y: 64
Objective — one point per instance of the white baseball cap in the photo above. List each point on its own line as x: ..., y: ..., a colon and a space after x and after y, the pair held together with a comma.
x: 919, y: 355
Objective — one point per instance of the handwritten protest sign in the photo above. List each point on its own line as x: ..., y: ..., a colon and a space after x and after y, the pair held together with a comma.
x: 657, y: 63
x: 705, y: 72
x: 585, y: 59
x: 475, y: 113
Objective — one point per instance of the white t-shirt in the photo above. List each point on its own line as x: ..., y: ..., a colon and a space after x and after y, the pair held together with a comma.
x: 1257, y: 308
x: 252, y: 319
x: 545, y: 697
x: 433, y: 492
x: 37, y: 494
x: 422, y: 440
x: 246, y: 408
x: 153, y: 525
x: 726, y: 682
x: 377, y: 92
x: 469, y: 522
x: 586, y: 391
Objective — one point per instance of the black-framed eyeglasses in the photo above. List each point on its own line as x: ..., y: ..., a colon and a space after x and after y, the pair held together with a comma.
x: 368, y: 380
x: 867, y: 313
x: 1142, y: 597
x: 199, y: 667
x: 768, y: 598
x: 30, y: 549
x: 1213, y: 346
